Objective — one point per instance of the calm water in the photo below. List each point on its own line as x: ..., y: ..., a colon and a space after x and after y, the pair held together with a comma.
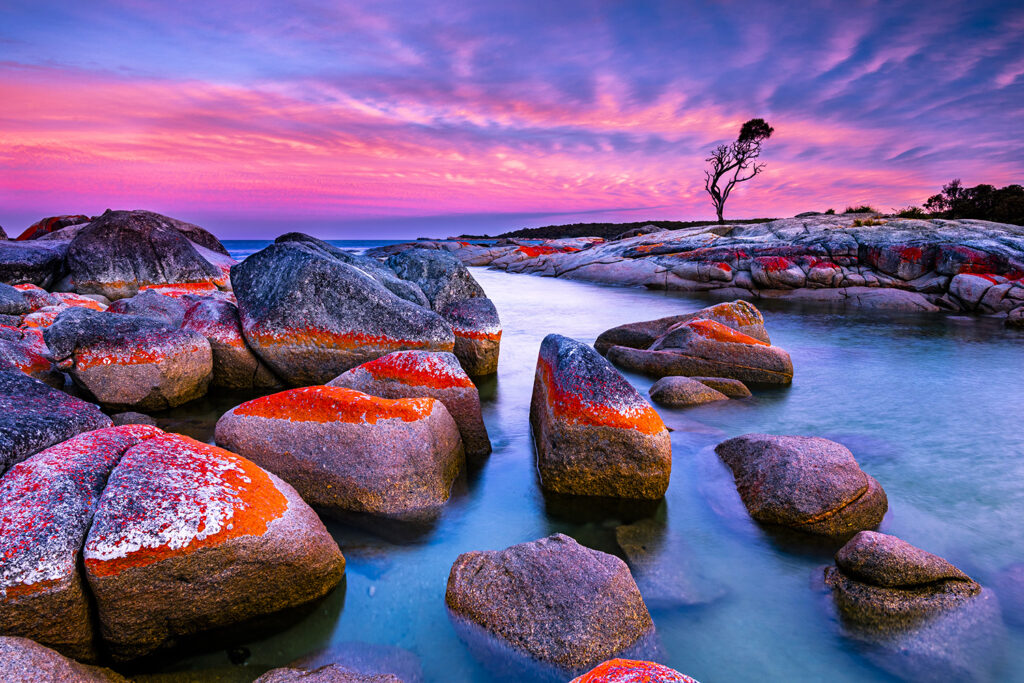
x: 931, y: 406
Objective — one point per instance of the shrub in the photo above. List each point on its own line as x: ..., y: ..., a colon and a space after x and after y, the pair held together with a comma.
x: 860, y: 209
x: 911, y: 212
x: 830, y: 212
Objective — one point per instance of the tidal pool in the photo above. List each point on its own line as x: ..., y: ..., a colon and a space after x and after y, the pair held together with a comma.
x: 931, y: 406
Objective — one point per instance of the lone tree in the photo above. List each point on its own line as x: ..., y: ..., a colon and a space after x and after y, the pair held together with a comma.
x: 735, y: 162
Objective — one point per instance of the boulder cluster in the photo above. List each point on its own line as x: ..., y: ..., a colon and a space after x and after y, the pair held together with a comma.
x: 849, y: 260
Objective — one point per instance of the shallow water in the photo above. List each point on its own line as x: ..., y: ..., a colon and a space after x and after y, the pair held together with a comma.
x: 931, y: 406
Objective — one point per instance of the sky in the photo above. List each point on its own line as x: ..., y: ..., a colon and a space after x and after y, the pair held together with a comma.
x: 398, y: 119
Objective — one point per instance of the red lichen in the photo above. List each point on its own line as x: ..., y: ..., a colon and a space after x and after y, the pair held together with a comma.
x: 574, y: 404
x: 149, y: 349
x: 343, y: 341
x: 715, y: 331
x: 774, y: 264
x: 178, y: 289
x: 76, y: 300
x: 632, y: 671
x: 418, y: 369
x: 334, y: 404
x: 171, y: 496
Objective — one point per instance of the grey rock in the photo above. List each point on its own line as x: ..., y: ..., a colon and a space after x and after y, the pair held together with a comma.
x: 680, y: 392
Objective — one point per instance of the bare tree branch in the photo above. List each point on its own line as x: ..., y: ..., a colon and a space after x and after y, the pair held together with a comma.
x: 735, y: 163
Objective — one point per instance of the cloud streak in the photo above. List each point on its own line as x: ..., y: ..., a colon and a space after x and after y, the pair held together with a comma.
x: 249, y: 119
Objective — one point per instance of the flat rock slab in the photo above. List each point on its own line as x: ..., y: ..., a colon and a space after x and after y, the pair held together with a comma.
x: 553, y: 599
x: 681, y: 392
x: 346, y: 451
x: 806, y: 483
x: 310, y: 317
x: 46, y: 506
x: 184, y: 523
x: 34, y: 416
x: 425, y: 374
x: 595, y: 434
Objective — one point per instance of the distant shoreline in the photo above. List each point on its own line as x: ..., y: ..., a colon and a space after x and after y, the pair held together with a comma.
x: 605, y: 230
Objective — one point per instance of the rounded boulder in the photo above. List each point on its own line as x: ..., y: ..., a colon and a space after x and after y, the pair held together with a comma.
x: 681, y: 392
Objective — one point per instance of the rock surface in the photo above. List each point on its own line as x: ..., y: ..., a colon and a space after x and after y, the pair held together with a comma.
x: 477, y: 334
x: 310, y: 317
x: 438, y: 274
x: 235, y: 366
x: 632, y: 671
x: 122, y: 251
x: 45, y: 226
x: 34, y: 416
x: 553, y: 599
x: 805, y: 483
x: 733, y: 388
x: 332, y: 673
x: 833, y: 259
x: 37, y: 263
x: 419, y: 374
x: 129, y: 361
x: 151, y: 304
x: 741, y: 316
x: 46, y: 506
x: 680, y: 392
x: 346, y: 451
x: 595, y: 435
x: 181, y: 523
x: 23, y: 661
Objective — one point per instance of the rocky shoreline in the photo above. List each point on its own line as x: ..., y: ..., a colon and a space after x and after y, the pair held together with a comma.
x: 367, y: 410
x: 860, y: 260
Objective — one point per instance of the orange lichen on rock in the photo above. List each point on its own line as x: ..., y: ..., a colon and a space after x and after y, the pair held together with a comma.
x: 71, y: 299
x: 151, y: 349
x: 600, y: 406
x: 709, y: 329
x: 177, y: 289
x: 171, y: 496
x: 632, y: 671
x: 419, y: 369
x: 342, y: 341
x: 334, y: 404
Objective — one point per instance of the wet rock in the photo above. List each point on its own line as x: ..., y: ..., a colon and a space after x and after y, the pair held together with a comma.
x: 131, y: 362
x: 553, y: 599
x: 706, y: 347
x: 680, y: 392
x: 130, y: 418
x: 632, y: 671
x: 34, y: 416
x: 595, y: 435
x: 920, y: 617
x: 441, y: 276
x: 150, y: 304
x: 235, y: 366
x: 733, y: 388
x: 310, y: 317
x: 181, y: 523
x: 418, y: 374
x: 663, y: 567
x: 368, y: 659
x: 1015, y: 318
x: 46, y: 507
x: 37, y: 263
x: 23, y: 661
x: 970, y: 288
x: 46, y: 226
x: 741, y: 316
x: 477, y: 334
x: 332, y: 673
x: 1009, y: 585
x: 805, y: 483
x: 121, y: 251
x: 369, y: 266
x: 345, y: 451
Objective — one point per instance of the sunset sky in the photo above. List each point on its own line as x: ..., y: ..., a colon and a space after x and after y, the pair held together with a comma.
x: 395, y: 119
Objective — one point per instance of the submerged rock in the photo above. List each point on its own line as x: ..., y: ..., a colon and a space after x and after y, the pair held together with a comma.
x: 129, y: 361
x: 680, y: 392
x: 34, y: 416
x: 46, y: 507
x: 346, y: 451
x: 310, y: 317
x: 23, y: 661
x: 733, y: 388
x: 920, y: 617
x: 595, y: 435
x: 122, y: 251
x: 632, y: 671
x: 552, y: 599
x: 805, y: 483
x: 332, y: 673
x: 419, y: 374
x: 181, y: 523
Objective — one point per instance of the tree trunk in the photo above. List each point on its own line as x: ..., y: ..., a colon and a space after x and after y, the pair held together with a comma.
x: 718, y: 209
